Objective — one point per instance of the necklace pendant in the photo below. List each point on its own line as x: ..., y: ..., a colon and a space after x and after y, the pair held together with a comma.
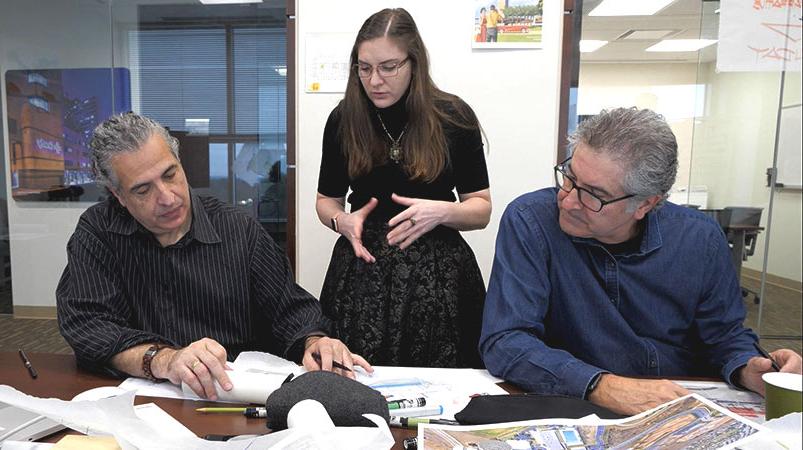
x: 395, y: 152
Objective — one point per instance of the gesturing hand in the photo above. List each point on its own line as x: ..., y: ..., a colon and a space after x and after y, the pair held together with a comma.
x: 631, y: 396
x: 351, y: 225
x: 199, y: 365
x: 331, y: 350
x: 419, y: 218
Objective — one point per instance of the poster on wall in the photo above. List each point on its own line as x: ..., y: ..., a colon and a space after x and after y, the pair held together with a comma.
x: 760, y: 36
x: 51, y: 115
x: 507, y: 24
x: 326, y: 61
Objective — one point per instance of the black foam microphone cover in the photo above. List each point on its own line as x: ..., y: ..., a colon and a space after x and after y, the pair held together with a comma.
x: 345, y: 400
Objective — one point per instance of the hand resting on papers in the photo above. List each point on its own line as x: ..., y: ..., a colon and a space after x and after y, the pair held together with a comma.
x: 631, y: 396
x: 331, y: 350
x: 198, y: 365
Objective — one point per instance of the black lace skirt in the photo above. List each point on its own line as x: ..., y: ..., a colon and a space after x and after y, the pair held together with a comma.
x: 421, y: 306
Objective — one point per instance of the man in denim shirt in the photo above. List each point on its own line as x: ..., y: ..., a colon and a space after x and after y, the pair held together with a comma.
x: 600, y: 280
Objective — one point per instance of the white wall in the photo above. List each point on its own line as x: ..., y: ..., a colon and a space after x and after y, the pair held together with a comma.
x: 513, y: 92
x: 50, y: 35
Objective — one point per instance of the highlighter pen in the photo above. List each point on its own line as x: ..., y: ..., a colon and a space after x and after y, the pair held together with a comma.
x: 412, y: 422
x: 407, y: 403
x: 27, y: 363
x: 335, y: 364
x: 766, y: 354
x: 418, y: 412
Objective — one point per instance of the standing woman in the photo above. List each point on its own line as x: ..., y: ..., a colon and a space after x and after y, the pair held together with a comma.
x: 403, y: 287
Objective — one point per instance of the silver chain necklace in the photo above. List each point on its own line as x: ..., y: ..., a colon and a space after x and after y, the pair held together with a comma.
x: 395, y: 144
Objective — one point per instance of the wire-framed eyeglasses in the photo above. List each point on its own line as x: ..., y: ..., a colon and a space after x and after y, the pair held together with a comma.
x: 385, y: 70
x: 566, y: 183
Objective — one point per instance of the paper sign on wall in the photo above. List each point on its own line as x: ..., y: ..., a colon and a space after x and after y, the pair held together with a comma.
x: 760, y: 35
x: 326, y: 61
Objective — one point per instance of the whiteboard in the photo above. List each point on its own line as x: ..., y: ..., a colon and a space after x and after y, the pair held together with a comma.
x: 789, y: 147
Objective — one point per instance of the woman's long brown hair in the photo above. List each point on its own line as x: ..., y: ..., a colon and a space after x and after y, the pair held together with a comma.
x: 424, y: 143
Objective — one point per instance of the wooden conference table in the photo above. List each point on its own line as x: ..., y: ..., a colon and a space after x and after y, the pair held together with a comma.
x: 59, y: 377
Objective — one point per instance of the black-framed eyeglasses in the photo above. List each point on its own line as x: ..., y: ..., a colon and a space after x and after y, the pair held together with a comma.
x: 385, y: 70
x: 566, y: 183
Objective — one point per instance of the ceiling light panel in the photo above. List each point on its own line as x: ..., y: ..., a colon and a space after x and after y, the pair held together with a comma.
x: 681, y: 45
x: 591, y: 45
x: 629, y: 7
x: 645, y: 35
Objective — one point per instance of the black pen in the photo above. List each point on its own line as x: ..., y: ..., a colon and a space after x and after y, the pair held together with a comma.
x: 335, y: 364
x: 766, y: 354
x: 28, y: 364
x: 412, y: 422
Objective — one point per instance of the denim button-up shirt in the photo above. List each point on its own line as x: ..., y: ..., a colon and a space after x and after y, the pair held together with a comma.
x: 562, y: 309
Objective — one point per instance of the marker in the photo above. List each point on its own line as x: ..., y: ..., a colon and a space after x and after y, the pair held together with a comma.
x: 407, y: 403
x: 412, y: 422
x: 335, y: 364
x: 764, y: 353
x: 256, y: 413
x: 418, y: 412
x: 247, y: 412
x: 28, y: 365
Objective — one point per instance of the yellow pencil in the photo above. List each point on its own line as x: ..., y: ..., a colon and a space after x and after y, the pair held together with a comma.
x: 220, y: 410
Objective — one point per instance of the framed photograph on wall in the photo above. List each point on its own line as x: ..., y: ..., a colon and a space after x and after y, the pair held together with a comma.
x: 507, y: 23
x: 51, y: 115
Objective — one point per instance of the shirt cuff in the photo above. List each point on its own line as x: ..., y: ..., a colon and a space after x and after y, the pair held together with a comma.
x: 731, y: 369
x: 577, y: 375
x: 296, y: 350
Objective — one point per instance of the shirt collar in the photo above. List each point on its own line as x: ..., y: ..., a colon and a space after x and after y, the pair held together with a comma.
x: 122, y: 222
x: 650, y: 242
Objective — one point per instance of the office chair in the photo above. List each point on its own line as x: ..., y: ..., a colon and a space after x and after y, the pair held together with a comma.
x: 733, y: 220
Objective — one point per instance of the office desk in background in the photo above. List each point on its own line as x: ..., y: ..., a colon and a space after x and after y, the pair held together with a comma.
x: 59, y: 377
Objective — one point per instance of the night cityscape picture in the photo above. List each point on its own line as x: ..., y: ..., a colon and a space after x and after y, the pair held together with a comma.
x: 51, y: 115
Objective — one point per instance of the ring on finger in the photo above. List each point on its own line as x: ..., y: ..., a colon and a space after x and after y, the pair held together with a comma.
x: 194, y: 364
x: 413, y: 221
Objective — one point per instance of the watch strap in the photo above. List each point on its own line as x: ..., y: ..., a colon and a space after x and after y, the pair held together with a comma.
x: 334, y: 222
x: 592, y: 385
x: 147, y: 359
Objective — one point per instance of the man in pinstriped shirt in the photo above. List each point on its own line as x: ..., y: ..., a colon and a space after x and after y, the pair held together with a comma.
x: 165, y: 284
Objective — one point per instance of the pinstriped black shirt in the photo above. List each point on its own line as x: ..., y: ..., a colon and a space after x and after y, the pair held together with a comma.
x: 225, y: 279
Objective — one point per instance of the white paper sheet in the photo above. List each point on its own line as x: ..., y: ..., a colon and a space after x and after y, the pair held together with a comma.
x: 744, y: 403
x: 117, y: 416
x: 246, y: 387
x: 26, y: 445
x: 158, y: 418
x: 450, y: 388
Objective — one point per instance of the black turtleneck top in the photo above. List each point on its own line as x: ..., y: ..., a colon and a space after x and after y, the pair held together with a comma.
x: 466, y: 170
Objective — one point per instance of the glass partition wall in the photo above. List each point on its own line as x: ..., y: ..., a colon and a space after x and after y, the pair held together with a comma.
x: 736, y: 133
x: 215, y: 75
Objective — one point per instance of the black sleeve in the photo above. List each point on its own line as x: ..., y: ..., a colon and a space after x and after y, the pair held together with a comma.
x: 333, y: 179
x: 93, y: 311
x: 294, y: 314
x: 467, y: 153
